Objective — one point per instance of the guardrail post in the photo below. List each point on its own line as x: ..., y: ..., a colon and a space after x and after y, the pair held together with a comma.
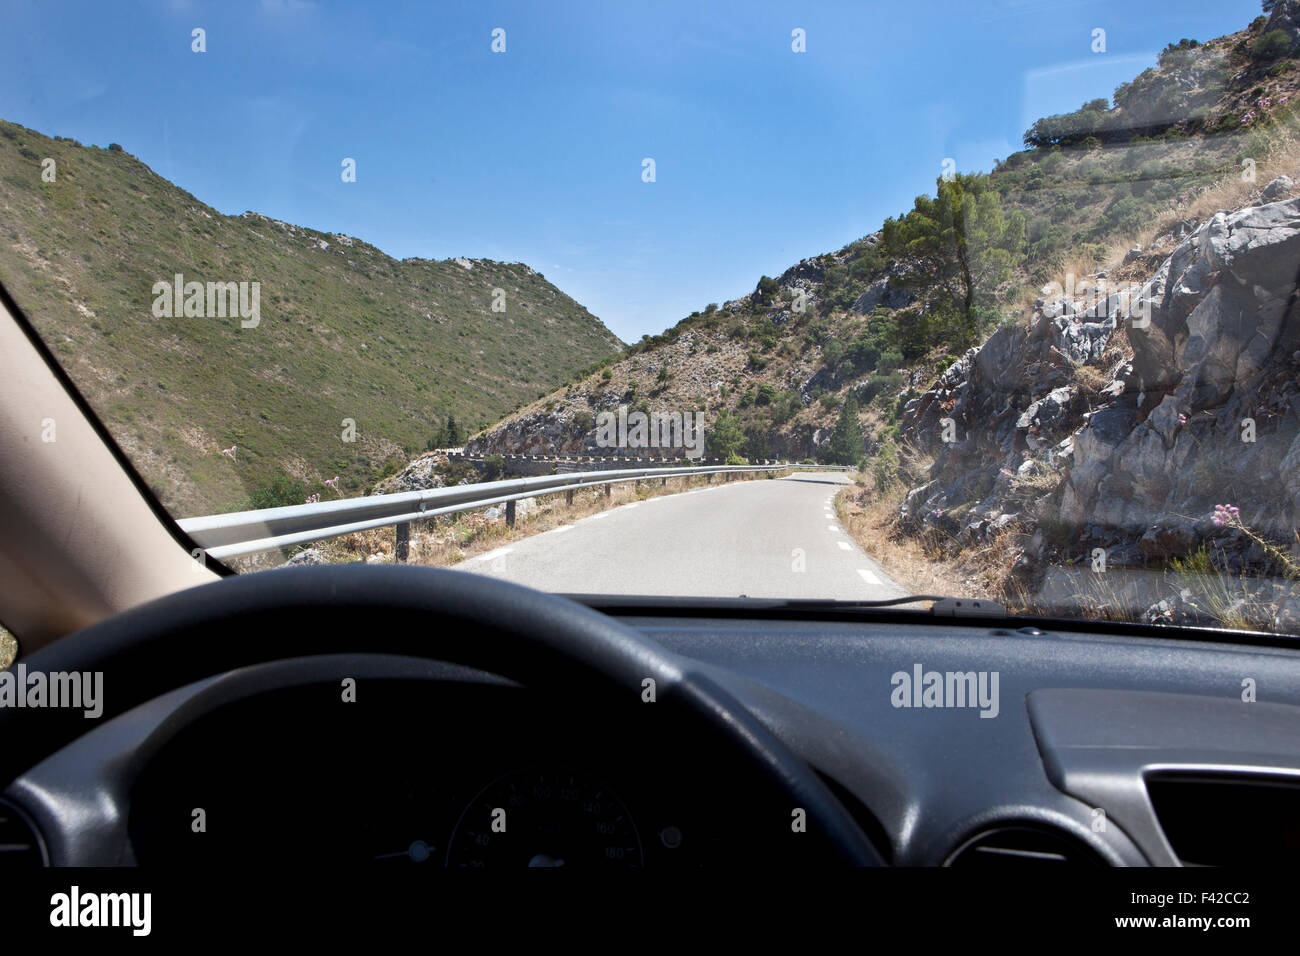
x: 402, y: 549
x: 663, y: 482
x: 608, y: 490
x: 510, y: 514
x: 708, y: 478
x: 568, y: 497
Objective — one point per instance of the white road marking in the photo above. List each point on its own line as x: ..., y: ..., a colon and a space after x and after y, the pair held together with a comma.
x: 599, y: 515
x: 831, y: 527
x: 563, y: 527
x: 868, y: 576
x: 844, y: 546
x: 493, y: 554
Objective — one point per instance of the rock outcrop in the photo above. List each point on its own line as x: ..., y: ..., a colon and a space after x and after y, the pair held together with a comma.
x: 1117, y: 422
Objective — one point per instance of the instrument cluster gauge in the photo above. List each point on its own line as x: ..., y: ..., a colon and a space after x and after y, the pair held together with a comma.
x: 545, y: 818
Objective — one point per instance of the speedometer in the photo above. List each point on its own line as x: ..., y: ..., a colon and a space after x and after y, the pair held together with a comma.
x: 545, y: 819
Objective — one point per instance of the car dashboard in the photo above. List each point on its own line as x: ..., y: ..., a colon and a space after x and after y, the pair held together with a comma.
x: 957, y: 744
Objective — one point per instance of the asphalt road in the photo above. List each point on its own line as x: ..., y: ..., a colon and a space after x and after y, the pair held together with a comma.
x: 776, y: 538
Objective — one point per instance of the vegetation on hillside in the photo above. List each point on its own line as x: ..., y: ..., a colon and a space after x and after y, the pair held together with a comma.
x: 346, y: 333
x: 873, y: 323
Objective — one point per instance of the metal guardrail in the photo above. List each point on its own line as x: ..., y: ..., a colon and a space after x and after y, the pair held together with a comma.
x: 663, y: 459
x: 249, y: 532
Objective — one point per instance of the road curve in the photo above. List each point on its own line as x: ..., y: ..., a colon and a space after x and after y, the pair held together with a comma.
x: 775, y: 538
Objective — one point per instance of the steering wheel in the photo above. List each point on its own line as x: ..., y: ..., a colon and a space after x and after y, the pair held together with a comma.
x: 528, y: 636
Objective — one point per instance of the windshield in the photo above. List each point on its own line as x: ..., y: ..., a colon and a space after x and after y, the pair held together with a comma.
x: 842, y: 301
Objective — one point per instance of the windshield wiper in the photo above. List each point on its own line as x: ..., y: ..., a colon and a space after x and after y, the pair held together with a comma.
x: 943, y: 606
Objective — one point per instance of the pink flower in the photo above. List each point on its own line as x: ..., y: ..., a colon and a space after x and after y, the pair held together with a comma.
x: 1225, y: 515
x: 1182, y: 419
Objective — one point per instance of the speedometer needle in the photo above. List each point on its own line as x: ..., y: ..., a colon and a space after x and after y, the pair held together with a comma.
x: 543, y: 859
x: 419, y: 851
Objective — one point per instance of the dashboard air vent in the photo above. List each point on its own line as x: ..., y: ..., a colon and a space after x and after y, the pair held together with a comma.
x: 20, y: 844
x: 1228, y: 819
x: 1021, y: 845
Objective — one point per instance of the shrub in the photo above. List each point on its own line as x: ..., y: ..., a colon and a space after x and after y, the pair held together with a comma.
x: 1270, y: 46
x: 280, y: 492
x: 1125, y: 213
x: 786, y: 407
x: 832, y: 353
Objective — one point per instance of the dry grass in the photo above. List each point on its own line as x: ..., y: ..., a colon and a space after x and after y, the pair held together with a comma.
x: 1082, y: 267
x: 1090, y: 378
x: 924, y: 564
x: 1230, y: 192
x: 1037, y: 482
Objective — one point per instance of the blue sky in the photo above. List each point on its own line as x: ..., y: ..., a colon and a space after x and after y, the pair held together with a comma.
x: 763, y: 156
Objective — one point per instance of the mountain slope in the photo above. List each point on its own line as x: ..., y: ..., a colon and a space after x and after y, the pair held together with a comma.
x: 877, y: 327
x: 345, y: 331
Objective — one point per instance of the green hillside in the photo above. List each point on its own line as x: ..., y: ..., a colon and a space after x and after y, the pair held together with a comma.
x: 345, y: 332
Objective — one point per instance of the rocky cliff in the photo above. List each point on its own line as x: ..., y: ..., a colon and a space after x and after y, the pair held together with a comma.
x: 1111, y: 425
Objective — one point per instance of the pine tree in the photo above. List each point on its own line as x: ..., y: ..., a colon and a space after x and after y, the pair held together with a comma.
x: 726, y: 439
x: 847, y: 444
x: 455, y: 435
x: 961, y: 247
